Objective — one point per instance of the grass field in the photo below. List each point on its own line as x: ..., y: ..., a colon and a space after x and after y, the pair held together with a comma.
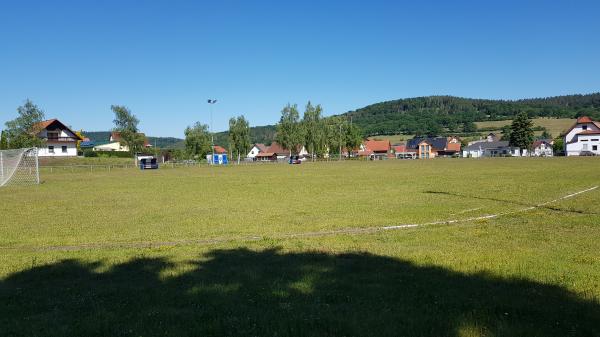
x: 281, y: 250
x: 554, y: 125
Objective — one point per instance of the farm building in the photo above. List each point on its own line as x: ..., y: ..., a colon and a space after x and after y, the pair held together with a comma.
x: 583, y: 138
x: 60, y: 140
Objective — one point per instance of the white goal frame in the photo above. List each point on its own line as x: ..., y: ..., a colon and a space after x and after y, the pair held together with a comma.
x: 19, y: 167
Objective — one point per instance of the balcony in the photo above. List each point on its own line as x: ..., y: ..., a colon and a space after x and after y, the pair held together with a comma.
x: 59, y: 139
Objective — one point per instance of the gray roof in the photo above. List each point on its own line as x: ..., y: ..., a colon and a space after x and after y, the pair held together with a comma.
x: 487, y: 145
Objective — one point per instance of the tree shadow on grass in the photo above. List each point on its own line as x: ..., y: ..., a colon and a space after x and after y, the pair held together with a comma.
x: 270, y: 293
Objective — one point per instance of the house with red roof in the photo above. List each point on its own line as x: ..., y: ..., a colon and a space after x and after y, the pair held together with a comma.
x: 59, y: 139
x: 256, y: 149
x: 375, y: 149
x: 542, y: 148
x: 583, y: 138
x: 276, y: 152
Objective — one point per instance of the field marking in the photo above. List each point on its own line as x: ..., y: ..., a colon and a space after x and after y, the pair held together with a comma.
x: 357, y: 230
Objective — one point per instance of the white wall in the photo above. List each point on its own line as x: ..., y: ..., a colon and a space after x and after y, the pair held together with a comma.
x: 252, y: 154
x: 71, y: 149
x: 574, y: 149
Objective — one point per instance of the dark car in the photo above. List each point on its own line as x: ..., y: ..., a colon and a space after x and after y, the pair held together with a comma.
x: 295, y: 160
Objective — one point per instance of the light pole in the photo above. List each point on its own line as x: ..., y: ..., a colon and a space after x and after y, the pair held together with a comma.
x: 211, y: 102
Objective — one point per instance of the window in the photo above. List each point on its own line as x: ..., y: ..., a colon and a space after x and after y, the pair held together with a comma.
x: 52, y: 135
x: 64, y: 149
x: 50, y: 149
x: 595, y: 140
x: 595, y: 147
x: 585, y: 147
x: 584, y: 127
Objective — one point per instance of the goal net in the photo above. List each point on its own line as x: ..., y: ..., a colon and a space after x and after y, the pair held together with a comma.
x: 19, y: 167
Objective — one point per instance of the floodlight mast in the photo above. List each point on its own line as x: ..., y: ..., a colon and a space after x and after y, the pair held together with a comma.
x: 211, y: 102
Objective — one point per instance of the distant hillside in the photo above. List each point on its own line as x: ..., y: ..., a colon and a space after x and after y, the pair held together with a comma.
x: 439, y: 114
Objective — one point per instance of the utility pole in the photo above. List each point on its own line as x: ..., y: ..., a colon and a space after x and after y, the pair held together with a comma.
x: 211, y: 102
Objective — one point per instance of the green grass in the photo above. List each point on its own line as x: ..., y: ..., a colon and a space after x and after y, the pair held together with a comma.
x: 212, y: 251
x: 554, y: 125
x: 69, y: 161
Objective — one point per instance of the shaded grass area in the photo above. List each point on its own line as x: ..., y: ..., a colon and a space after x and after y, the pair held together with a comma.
x: 244, y: 292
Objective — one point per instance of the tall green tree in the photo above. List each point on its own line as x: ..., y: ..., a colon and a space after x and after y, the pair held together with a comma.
x: 21, y: 131
x: 197, y: 140
x: 127, y: 125
x: 3, y: 141
x: 290, y: 133
x: 521, y: 134
x: 353, y: 137
x: 239, y: 136
x: 335, y: 136
x: 314, y: 133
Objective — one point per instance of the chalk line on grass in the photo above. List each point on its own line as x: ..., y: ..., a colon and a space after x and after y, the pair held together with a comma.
x: 358, y: 230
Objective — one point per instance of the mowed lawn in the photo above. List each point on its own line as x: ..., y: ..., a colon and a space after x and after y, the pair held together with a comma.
x: 281, y: 250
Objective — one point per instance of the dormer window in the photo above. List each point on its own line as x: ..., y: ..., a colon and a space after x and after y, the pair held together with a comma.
x: 584, y: 127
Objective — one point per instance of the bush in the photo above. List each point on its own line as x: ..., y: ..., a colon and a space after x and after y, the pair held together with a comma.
x: 90, y: 153
x: 107, y: 154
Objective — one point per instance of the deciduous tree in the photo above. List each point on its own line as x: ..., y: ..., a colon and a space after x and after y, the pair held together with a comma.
x: 197, y: 140
x: 290, y: 133
x: 127, y: 125
x: 21, y: 131
x: 314, y: 133
x: 239, y: 136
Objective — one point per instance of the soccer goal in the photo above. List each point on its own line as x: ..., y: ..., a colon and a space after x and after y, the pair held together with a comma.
x: 19, y: 167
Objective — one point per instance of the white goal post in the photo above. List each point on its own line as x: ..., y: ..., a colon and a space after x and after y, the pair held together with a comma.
x: 19, y: 167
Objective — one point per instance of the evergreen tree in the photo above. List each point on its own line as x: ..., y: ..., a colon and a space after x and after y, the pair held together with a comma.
x: 239, y: 136
x: 21, y: 131
x: 521, y: 134
x: 290, y: 133
x: 197, y: 140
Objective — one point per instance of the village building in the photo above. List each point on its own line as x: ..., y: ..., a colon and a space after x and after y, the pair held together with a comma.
x: 60, y: 140
x: 376, y: 149
x: 431, y: 147
x: 256, y: 149
x: 583, y: 138
x: 114, y: 143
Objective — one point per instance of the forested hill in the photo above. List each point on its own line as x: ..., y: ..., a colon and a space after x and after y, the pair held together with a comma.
x: 439, y: 114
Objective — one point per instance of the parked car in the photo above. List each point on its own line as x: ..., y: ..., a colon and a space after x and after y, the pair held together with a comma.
x: 587, y: 154
x: 295, y: 160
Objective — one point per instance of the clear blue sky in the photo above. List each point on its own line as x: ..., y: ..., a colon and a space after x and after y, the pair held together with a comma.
x: 164, y: 59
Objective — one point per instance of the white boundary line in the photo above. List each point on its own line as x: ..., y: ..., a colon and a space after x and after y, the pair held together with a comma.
x: 109, y: 245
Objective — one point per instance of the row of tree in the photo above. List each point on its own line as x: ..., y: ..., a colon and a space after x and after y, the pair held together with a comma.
x: 317, y: 134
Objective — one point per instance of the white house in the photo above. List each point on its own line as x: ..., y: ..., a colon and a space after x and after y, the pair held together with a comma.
x: 60, y: 140
x: 583, y: 138
x: 256, y: 149
x: 542, y: 148
x: 492, y: 149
